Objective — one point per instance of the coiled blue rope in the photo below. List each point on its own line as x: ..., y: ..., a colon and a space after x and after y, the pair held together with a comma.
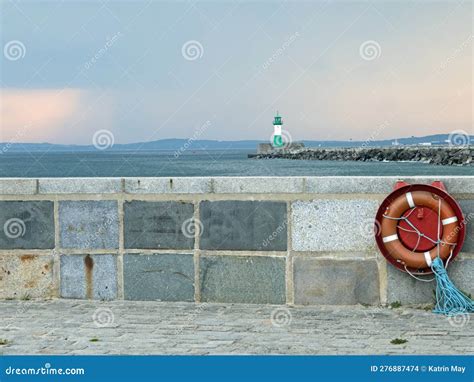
x: 449, y: 299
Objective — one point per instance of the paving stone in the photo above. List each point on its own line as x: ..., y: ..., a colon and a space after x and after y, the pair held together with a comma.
x: 405, y: 289
x: 26, y: 225
x: 243, y: 279
x: 244, y: 225
x: 335, y: 282
x: 333, y: 225
x: 165, y: 277
x: 26, y: 276
x: 143, y: 327
x: 190, y: 185
x: 155, y: 225
x: 89, y: 276
x: 79, y: 185
x: 467, y: 207
x: 89, y: 224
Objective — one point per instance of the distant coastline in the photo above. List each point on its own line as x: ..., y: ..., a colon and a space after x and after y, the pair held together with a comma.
x: 197, y: 145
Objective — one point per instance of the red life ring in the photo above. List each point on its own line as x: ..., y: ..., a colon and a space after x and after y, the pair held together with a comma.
x: 416, y: 223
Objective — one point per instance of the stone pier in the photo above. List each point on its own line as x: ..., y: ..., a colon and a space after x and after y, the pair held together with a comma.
x: 288, y: 240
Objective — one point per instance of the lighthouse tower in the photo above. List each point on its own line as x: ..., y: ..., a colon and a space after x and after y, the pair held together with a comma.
x: 277, y: 139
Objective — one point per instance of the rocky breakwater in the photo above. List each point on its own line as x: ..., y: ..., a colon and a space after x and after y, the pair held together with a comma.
x: 448, y: 156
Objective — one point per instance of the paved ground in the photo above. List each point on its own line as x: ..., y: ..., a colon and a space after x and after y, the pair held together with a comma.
x: 84, y: 327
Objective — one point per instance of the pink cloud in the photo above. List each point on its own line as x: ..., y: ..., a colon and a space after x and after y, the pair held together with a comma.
x: 36, y: 115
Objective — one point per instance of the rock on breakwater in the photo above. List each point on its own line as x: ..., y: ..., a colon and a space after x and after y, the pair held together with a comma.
x: 448, y: 156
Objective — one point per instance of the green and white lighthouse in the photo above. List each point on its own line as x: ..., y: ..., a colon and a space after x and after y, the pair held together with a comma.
x: 277, y: 139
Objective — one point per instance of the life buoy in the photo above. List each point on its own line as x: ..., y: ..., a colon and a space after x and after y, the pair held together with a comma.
x: 403, y: 220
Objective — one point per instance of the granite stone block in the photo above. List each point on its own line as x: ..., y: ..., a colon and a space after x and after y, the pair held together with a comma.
x: 405, y: 289
x: 156, y: 225
x: 333, y: 225
x: 179, y: 185
x: 467, y: 207
x: 335, y: 282
x: 26, y: 225
x: 89, y: 224
x: 164, y: 277
x: 242, y: 279
x: 89, y: 276
x: 17, y: 186
x: 258, y: 185
x: 26, y: 276
x: 79, y: 185
x: 243, y: 225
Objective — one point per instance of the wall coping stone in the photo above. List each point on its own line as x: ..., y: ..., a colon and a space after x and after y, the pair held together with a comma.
x: 225, y: 185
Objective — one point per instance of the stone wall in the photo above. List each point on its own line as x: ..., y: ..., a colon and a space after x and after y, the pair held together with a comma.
x: 293, y: 240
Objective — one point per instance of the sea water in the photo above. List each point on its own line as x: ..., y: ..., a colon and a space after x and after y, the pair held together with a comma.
x: 199, y: 163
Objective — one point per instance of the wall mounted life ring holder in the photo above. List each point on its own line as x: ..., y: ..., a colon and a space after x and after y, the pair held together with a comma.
x: 417, y: 223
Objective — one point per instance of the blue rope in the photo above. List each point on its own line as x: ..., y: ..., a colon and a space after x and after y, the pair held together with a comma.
x: 449, y: 299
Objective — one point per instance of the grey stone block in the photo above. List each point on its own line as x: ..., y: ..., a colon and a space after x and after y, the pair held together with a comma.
x: 23, y: 276
x: 467, y: 207
x: 89, y: 276
x: 89, y: 224
x: 79, y: 185
x: 454, y: 184
x: 244, y: 225
x: 152, y: 225
x: 27, y: 225
x: 382, y: 184
x: 16, y: 186
x: 349, y: 185
x: 404, y: 288
x: 242, y: 279
x: 333, y: 225
x: 164, y: 277
x: 258, y: 185
x: 335, y: 282
x: 191, y: 185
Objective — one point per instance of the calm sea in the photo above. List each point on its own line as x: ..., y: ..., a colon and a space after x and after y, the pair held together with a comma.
x: 209, y: 163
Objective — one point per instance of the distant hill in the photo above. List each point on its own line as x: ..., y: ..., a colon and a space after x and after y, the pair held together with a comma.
x: 195, y: 145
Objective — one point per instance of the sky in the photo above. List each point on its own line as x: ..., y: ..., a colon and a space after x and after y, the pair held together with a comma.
x: 148, y: 70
